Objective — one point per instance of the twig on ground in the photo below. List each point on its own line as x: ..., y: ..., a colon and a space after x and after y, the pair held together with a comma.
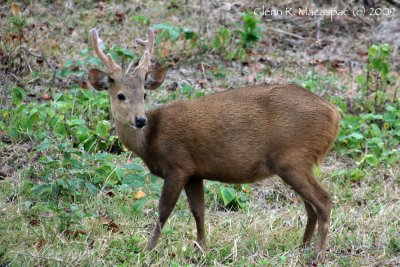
x: 287, y: 33
x: 44, y: 59
x: 204, y: 71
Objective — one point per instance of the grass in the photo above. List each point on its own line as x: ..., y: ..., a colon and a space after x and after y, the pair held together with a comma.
x: 364, y: 228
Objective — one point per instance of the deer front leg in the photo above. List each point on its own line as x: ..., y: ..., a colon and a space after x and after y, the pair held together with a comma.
x: 195, y: 194
x: 172, y: 188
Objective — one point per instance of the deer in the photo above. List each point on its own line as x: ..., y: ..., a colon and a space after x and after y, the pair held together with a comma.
x: 236, y: 136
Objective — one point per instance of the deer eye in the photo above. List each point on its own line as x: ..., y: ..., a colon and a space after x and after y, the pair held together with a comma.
x: 121, y: 97
x: 145, y: 96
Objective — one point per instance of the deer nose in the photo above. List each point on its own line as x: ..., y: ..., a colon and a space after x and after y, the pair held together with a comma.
x: 140, y: 122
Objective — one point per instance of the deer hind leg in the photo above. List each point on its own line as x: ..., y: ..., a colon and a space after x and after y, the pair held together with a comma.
x: 311, y: 223
x: 173, y: 185
x: 195, y: 194
x: 304, y: 183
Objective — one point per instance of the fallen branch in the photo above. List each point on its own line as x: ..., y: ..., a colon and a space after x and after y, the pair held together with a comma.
x: 287, y: 33
x: 44, y: 59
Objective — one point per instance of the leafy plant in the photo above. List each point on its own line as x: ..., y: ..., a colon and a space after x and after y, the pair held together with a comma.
x: 373, y: 139
x: 222, y: 39
x: 374, y: 82
x: 80, y: 115
x: 171, y: 34
x: 68, y: 172
x: 249, y: 34
x: 230, y: 196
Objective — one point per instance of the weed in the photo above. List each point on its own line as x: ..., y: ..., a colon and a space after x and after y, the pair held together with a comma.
x: 374, y: 82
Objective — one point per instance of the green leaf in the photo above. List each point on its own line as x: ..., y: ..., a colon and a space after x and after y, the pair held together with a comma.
x: 189, y: 34
x: 92, y: 188
x: 240, y: 54
x: 44, y: 146
x: 67, y: 72
x: 370, y: 116
x: 83, y: 134
x: 124, y: 52
x: 94, y: 61
x: 42, y: 189
x: 103, y: 128
x: 371, y: 160
x: 135, y: 167
x: 18, y: 95
x: 133, y: 180
x: 222, y: 38
x: 385, y: 48
x: 227, y: 194
x: 357, y: 136
x: 373, y: 50
x: 75, y: 122
x: 137, y: 206
x: 173, y: 32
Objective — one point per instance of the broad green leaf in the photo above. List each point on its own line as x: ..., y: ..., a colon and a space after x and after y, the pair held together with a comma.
x: 133, y: 180
x: 135, y: 167
x: 137, y: 206
x: 227, y: 194
x: 385, y: 48
x: 357, y: 136
x: 370, y: 116
x: 74, y: 122
x: 373, y: 50
x: 18, y: 95
x: 92, y: 188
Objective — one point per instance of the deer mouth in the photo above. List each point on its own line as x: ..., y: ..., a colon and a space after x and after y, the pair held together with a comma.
x: 138, y: 127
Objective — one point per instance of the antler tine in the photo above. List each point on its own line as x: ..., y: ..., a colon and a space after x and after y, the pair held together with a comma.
x: 144, y: 62
x: 96, y: 44
x: 151, y: 40
x: 107, y: 60
x: 113, y: 66
x: 149, y: 43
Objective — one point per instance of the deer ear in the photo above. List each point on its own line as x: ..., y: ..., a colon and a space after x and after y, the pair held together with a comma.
x: 99, y: 79
x: 155, y: 77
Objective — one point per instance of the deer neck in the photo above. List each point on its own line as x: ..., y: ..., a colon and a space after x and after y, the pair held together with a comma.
x: 134, y: 139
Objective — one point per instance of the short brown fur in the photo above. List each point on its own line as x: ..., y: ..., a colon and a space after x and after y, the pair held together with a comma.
x: 237, y: 136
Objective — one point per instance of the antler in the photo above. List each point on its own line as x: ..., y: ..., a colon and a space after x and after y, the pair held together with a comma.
x: 149, y: 43
x: 107, y: 60
x: 144, y: 62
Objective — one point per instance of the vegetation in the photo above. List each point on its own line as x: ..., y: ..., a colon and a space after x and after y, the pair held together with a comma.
x: 71, y: 194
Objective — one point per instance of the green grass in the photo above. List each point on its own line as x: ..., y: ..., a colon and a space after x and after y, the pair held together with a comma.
x: 364, y: 228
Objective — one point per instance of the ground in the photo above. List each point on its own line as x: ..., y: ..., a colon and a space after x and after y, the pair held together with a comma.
x: 70, y: 194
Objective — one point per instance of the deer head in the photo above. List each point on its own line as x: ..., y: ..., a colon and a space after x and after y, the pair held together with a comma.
x: 127, y: 90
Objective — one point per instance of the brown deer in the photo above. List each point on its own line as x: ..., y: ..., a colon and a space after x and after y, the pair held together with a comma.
x: 236, y: 136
